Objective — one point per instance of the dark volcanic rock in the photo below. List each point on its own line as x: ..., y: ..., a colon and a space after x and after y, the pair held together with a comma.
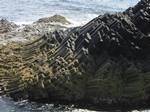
x: 104, y: 64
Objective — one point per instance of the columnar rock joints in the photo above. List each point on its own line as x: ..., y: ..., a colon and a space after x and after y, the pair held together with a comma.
x: 104, y: 63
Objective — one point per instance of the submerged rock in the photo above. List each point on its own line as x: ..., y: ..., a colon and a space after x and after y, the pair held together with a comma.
x: 101, y: 65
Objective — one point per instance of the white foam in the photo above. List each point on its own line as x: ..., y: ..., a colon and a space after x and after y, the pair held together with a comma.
x: 74, y: 22
x: 141, y: 111
x: 78, y: 11
x: 23, y: 22
x: 82, y: 20
x: 82, y: 110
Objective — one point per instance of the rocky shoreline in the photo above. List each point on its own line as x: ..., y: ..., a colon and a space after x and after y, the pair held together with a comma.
x: 11, y: 32
x: 103, y: 65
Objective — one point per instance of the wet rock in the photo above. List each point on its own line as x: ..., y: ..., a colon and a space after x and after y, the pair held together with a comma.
x: 54, y: 19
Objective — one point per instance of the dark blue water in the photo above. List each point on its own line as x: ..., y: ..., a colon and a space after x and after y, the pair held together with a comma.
x: 78, y: 11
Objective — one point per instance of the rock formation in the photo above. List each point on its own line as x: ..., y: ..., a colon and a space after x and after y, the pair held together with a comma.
x: 54, y: 19
x: 101, y: 65
x: 6, y: 26
x: 10, y: 32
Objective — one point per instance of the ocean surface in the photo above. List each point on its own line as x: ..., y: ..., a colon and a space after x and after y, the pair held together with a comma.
x: 77, y: 11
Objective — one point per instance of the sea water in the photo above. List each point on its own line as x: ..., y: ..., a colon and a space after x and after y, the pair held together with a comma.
x: 77, y: 11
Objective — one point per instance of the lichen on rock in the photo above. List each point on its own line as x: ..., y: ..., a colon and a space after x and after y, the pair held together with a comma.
x: 103, y: 64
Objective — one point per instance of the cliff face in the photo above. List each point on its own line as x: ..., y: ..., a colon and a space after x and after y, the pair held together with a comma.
x: 105, y: 63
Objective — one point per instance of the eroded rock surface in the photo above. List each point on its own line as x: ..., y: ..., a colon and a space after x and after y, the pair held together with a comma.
x: 104, y: 64
x: 9, y: 32
x: 6, y: 26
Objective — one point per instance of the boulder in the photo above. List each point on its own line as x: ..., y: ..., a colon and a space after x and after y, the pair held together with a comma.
x: 54, y: 19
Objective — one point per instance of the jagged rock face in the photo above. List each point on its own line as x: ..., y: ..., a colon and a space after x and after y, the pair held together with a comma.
x: 125, y: 35
x: 30, y: 32
x: 140, y: 15
x: 6, y: 26
x: 105, y: 63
